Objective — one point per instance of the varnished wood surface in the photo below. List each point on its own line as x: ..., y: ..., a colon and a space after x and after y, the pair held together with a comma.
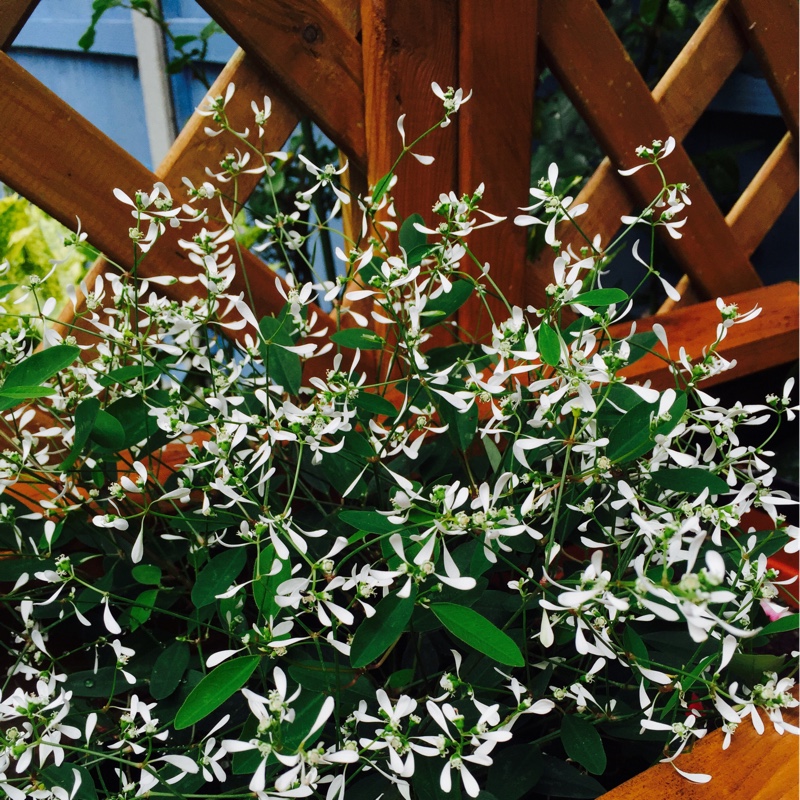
x: 753, y: 768
x: 622, y: 114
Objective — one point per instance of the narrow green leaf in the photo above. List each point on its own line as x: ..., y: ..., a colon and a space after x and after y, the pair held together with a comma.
x: 217, y: 576
x: 381, y: 188
x: 475, y: 630
x: 168, y: 670
x: 632, y: 436
x: 492, y: 452
x: 358, y: 339
x: 447, y: 303
x: 563, y: 780
x: 215, y: 689
x: 600, y: 297
x: 462, y: 425
x: 265, y: 586
x: 143, y: 608
x: 689, y: 479
x: 37, y: 369
x: 583, y: 743
x: 85, y: 415
x: 515, y: 771
x: 781, y: 625
x: 283, y: 367
x: 641, y: 344
x: 549, y: 345
x: 382, y: 629
x: 7, y: 288
x: 26, y: 392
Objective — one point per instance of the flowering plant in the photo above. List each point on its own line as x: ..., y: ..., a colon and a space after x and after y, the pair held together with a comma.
x: 275, y: 557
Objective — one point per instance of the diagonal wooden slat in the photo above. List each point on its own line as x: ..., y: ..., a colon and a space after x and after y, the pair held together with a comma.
x: 13, y: 16
x: 63, y: 164
x: 304, y: 47
x: 494, y: 130
x: 765, y: 199
x: 713, y: 53
x: 194, y: 150
x: 622, y: 114
x: 766, y: 341
x: 771, y: 29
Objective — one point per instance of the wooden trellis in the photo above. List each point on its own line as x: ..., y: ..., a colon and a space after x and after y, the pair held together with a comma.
x: 355, y: 67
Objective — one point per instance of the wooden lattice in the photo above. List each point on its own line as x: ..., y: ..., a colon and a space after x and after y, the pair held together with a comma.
x: 355, y: 67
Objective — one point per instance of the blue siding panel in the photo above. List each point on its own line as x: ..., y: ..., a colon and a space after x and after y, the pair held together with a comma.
x: 104, y: 89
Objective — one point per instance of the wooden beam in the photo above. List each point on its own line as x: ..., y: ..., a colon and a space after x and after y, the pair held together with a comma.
x: 756, y: 767
x: 712, y: 53
x: 304, y: 48
x: 406, y: 46
x: 13, y: 17
x: 579, y: 40
x: 63, y: 164
x: 766, y: 197
x: 766, y: 341
x: 771, y: 30
x: 495, y: 129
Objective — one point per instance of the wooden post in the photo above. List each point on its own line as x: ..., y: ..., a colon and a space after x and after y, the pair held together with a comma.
x: 497, y: 61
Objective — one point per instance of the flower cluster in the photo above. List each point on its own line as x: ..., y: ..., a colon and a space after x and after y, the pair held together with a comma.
x: 241, y: 556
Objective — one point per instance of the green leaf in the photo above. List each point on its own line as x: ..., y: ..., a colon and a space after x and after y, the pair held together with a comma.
x: 400, y: 678
x: 426, y: 781
x: 133, y: 372
x: 515, y: 771
x: 85, y: 415
x: 217, y: 576
x: 37, y: 369
x: 283, y: 367
x: 476, y: 631
x: 632, y: 436
x: 106, y: 682
x: 689, y: 479
x: 462, y: 425
x: 583, y: 743
x: 168, y: 670
x: 107, y: 431
x: 641, y: 344
x: 148, y: 574
x: 381, y: 188
x: 563, y: 780
x: 370, y: 521
x: 492, y: 452
x: 7, y: 288
x: 358, y: 339
x: 409, y: 237
x: 600, y: 297
x: 140, y: 613
x: 447, y: 303
x: 751, y: 668
x: 215, y: 689
x: 375, y: 404
x: 549, y: 345
x: 26, y: 392
x: 378, y: 632
x: 62, y: 776
x: 265, y: 587
x: 790, y: 622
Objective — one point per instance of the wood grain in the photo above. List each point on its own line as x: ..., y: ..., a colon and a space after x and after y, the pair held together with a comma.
x: 753, y: 768
x: 495, y: 128
x: 579, y: 41
x: 682, y: 94
x: 307, y: 50
x: 771, y: 29
x: 766, y: 197
x: 13, y: 17
x: 766, y: 341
